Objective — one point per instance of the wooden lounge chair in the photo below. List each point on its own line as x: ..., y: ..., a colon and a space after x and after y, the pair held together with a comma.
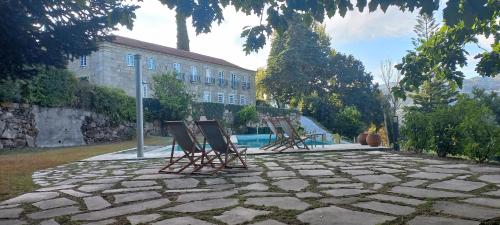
x: 222, y: 146
x: 184, y: 138
x: 280, y: 137
x: 293, y: 139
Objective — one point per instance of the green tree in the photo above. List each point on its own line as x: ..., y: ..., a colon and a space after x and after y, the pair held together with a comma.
x: 347, y: 78
x: 480, y: 15
x: 49, y: 33
x: 296, y: 62
x: 261, y: 92
x: 52, y: 88
x: 491, y: 100
x: 182, y: 12
x: 426, y: 26
x: 432, y: 94
x: 175, y: 101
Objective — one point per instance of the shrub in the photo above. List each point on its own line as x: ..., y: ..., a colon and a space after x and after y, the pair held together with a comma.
x: 416, y: 131
x: 245, y: 115
x: 349, y: 122
x: 446, y: 136
x: 52, y: 88
x: 10, y: 90
x: 173, y: 96
x: 480, y: 130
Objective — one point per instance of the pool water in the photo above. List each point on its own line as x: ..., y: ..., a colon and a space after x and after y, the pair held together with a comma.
x: 259, y: 140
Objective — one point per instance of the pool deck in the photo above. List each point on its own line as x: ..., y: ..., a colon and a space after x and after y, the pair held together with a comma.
x: 250, y: 151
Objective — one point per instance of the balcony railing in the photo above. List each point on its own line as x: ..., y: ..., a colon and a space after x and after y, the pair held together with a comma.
x: 234, y: 84
x: 245, y: 85
x: 194, y: 79
x: 209, y: 80
x: 180, y: 76
x: 222, y: 82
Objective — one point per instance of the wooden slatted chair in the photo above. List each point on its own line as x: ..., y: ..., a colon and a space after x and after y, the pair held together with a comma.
x: 280, y: 136
x: 222, y: 146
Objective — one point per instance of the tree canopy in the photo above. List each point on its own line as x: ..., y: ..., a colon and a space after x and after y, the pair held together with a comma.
x: 48, y: 33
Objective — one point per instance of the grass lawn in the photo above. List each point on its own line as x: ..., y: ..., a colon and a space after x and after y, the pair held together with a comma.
x: 17, y: 166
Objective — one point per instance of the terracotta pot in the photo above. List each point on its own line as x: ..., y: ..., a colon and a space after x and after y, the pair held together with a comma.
x: 373, y: 140
x: 362, y: 138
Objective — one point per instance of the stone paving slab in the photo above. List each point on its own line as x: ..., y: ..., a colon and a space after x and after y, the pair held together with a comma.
x: 466, y: 210
x: 359, y: 187
x: 433, y: 220
x: 339, y: 216
x: 386, y: 208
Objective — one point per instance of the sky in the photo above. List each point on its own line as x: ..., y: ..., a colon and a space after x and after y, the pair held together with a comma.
x: 370, y: 37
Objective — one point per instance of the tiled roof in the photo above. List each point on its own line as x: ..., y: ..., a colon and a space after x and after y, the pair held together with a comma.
x: 172, y: 51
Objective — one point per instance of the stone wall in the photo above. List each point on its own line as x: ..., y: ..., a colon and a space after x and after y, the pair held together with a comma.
x: 17, y: 127
x: 22, y: 126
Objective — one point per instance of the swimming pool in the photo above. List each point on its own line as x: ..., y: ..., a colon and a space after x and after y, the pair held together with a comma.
x: 259, y: 140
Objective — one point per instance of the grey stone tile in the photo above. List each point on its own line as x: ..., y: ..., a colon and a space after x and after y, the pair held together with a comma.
x: 433, y: 220
x: 414, y: 183
x: 144, y: 183
x: 251, y: 179
x: 430, y: 176
x: 49, y: 222
x: 240, y: 215
x: 490, y: 178
x: 458, y: 185
x: 426, y: 193
x: 10, y: 213
x: 316, y: 173
x: 119, y: 190
x: 75, y: 193
x: 55, y: 188
x: 187, y: 220
x: 12, y: 222
x: 465, y: 210
x: 390, y: 198
x: 204, y: 195
x: 280, y: 202
x: 308, y: 195
x: 346, y: 192
x: 121, y: 210
x: 281, y: 173
x: 54, y: 203
x: 378, y: 179
x: 292, y: 184
x: 95, y: 187
x: 491, y: 202
x: 138, y: 219
x: 261, y: 194
x: 181, y: 183
x: 254, y: 187
x: 198, y: 206
x: 269, y: 222
x: 357, y: 172
x: 136, y: 196
x: 30, y: 198
x: 46, y: 214
x: 398, y: 210
x: 339, y: 216
x: 96, y: 203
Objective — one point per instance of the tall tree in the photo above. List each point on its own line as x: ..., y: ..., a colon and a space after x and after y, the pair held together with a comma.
x: 49, y: 33
x: 433, y: 94
x: 426, y: 26
x: 296, y: 62
x: 182, y: 33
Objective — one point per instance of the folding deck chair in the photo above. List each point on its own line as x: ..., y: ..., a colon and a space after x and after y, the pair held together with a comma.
x: 184, y: 138
x: 280, y: 137
x: 222, y: 146
x: 292, y: 136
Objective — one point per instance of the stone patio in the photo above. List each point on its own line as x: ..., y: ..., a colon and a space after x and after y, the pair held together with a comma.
x: 323, y: 188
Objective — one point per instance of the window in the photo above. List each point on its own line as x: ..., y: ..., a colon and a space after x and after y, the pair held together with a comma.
x: 242, y: 100
x: 145, y: 89
x: 83, y: 61
x: 220, y: 97
x: 130, y: 60
x: 221, y: 75
x: 231, y: 99
x: 177, y: 67
x: 151, y: 63
x: 208, y: 76
x: 207, y: 96
x: 233, y: 78
x: 194, y: 73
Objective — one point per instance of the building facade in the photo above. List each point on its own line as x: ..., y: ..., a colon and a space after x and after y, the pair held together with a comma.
x: 209, y: 79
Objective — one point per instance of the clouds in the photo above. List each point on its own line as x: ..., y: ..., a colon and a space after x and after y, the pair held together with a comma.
x: 155, y: 23
x: 357, y: 26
